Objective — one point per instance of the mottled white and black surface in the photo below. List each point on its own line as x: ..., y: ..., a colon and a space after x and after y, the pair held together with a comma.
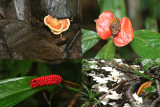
x: 115, y: 82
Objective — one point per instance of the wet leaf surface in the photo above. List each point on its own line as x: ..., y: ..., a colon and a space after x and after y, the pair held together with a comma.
x: 107, y: 52
x: 89, y: 39
x: 15, y: 90
x: 146, y: 44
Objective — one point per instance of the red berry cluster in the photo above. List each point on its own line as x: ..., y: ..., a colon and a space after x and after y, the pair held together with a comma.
x: 45, y: 80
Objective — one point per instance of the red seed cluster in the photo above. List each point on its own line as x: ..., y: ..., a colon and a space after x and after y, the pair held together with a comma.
x: 45, y: 80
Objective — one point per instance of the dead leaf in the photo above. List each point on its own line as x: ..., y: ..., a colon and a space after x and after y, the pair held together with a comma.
x: 134, y: 67
x: 144, y: 86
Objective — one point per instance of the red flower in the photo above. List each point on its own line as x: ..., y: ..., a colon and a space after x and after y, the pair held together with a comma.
x: 121, y: 30
x: 45, y: 80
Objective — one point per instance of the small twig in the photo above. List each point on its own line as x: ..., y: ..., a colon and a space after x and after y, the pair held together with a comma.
x: 71, y: 83
x: 50, y: 98
x: 74, y: 100
x: 48, y: 101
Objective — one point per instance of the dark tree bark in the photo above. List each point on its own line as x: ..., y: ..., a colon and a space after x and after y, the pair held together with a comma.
x: 24, y: 35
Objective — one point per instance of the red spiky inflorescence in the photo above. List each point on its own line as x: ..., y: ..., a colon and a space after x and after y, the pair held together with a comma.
x: 45, y: 80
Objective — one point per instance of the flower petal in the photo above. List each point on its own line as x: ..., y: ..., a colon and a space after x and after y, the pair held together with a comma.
x: 103, y: 24
x: 126, y: 33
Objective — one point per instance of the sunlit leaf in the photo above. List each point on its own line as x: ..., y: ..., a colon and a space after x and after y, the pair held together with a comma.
x: 146, y: 44
x: 16, y: 90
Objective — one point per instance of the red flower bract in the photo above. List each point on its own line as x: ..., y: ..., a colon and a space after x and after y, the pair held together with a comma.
x: 45, y: 80
x: 124, y: 35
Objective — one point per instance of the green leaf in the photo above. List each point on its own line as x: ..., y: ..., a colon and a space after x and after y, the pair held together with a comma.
x: 115, y: 6
x: 146, y: 44
x: 150, y: 89
x: 89, y: 39
x: 15, y: 90
x: 107, y: 52
x: 85, y: 88
x: 143, y: 75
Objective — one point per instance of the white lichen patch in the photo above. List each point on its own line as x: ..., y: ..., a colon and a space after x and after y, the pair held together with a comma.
x: 111, y: 95
x: 107, y: 68
x: 94, y: 67
x: 127, y: 105
x: 103, y: 61
x: 105, y: 101
x: 92, y: 62
x: 103, y: 88
x: 113, y: 104
x: 118, y: 60
x: 137, y: 66
x: 138, y: 99
x: 101, y: 80
x: 141, y: 71
x: 114, y: 95
x: 106, y: 77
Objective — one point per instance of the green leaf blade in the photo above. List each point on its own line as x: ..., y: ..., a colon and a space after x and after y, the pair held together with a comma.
x: 107, y: 52
x: 16, y: 90
x: 89, y: 39
x: 146, y: 44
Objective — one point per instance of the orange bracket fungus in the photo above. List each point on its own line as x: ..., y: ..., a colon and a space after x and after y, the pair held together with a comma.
x: 121, y: 30
x: 57, y: 26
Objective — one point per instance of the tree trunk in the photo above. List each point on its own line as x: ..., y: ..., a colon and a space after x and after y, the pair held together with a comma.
x: 24, y: 35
